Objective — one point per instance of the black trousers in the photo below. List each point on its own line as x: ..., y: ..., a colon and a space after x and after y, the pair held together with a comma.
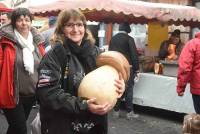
x: 128, y: 95
x: 16, y: 117
x: 196, y: 103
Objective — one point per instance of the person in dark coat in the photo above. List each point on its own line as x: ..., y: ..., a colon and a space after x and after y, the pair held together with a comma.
x: 60, y: 72
x: 174, y: 39
x: 125, y: 44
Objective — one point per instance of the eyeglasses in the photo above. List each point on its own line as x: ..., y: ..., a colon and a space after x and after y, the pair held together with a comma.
x: 71, y: 25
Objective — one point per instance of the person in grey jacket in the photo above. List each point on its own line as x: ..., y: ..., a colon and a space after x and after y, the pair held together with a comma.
x: 60, y: 72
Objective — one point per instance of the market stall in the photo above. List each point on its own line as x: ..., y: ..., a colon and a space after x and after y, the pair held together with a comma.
x: 160, y: 92
x: 152, y: 90
x: 117, y: 11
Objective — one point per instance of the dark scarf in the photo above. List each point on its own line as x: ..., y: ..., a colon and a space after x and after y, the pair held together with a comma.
x: 85, y: 53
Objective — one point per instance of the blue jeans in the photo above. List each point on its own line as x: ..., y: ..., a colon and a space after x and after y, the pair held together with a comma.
x: 17, y: 116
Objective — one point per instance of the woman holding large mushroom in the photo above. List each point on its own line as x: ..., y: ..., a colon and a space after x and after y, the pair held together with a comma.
x: 60, y: 73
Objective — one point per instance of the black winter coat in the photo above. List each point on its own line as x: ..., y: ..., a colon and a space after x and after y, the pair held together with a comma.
x: 60, y: 73
x: 125, y: 44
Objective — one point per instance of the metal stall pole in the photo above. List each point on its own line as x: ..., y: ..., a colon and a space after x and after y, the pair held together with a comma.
x: 101, y: 35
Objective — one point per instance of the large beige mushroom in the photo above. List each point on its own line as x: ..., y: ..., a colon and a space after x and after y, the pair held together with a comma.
x: 99, y: 83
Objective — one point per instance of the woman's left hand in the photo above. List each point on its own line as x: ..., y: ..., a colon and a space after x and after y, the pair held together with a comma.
x: 120, y: 84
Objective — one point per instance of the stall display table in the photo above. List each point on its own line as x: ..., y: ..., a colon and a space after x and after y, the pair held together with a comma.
x: 170, y: 68
x: 160, y: 92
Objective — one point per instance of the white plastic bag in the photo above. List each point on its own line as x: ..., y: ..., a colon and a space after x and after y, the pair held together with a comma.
x: 36, y: 125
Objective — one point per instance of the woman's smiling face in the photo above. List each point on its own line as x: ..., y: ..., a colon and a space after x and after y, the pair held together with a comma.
x: 74, y: 29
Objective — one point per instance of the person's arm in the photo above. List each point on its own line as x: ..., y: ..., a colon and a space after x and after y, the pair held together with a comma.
x: 133, y: 55
x: 185, y: 67
x: 163, y: 51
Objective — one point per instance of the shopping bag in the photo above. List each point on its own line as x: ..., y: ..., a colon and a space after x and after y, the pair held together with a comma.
x: 36, y: 125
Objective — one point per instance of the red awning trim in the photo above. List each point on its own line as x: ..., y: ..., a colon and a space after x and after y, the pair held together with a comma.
x: 124, y: 10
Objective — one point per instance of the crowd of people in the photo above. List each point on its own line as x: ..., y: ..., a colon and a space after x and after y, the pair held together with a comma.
x: 54, y: 80
x: 48, y: 67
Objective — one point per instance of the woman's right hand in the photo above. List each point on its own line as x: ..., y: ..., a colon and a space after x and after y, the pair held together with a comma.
x: 97, y: 108
x: 119, y: 83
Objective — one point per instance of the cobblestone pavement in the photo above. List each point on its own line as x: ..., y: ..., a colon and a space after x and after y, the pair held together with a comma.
x: 150, y: 121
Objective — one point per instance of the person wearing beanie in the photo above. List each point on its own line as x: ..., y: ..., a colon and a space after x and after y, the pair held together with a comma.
x: 125, y: 44
x: 174, y: 39
x: 125, y: 27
